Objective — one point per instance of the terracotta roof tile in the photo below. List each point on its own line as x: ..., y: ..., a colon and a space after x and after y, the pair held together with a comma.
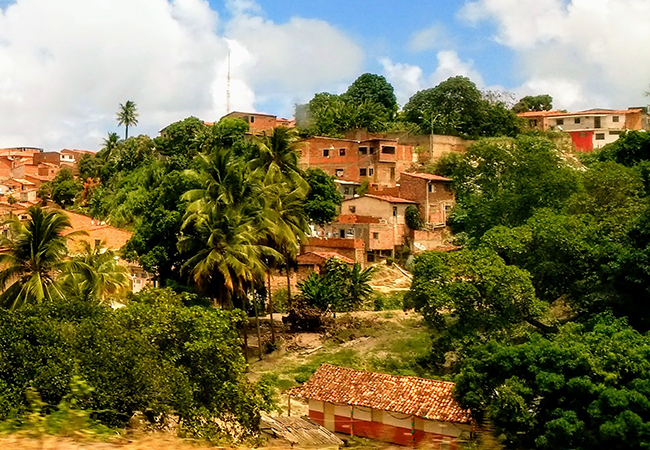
x: 426, y: 176
x: 430, y: 399
x: 387, y: 198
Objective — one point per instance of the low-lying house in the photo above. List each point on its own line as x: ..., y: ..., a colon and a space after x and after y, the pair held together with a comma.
x: 401, y: 410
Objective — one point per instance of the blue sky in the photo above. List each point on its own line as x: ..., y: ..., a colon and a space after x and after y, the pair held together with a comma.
x: 65, y: 65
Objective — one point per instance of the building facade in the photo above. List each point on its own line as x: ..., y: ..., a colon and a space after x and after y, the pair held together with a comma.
x: 590, y: 129
x: 376, y: 160
x: 407, y: 411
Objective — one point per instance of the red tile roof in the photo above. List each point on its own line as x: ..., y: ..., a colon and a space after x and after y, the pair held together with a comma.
x: 587, y: 112
x: 113, y: 238
x: 426, y: 176
x: 386, y: 198
x: 327, y: 255
x: 429, y: 399
x: 353, y: 218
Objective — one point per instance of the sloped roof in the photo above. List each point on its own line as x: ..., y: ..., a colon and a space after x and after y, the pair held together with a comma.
x: 113, y: 238
x: 385, y: 198
x: 426, y: 176
x: 429, y: 399
x: 299, y: 431
x: 327, y: 255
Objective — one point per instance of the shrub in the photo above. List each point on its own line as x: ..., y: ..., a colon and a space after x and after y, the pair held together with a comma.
x: 154, y: 355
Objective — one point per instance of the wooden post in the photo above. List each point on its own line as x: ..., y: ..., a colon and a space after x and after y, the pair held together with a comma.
x: 289, y: 406
x: 352, y: 420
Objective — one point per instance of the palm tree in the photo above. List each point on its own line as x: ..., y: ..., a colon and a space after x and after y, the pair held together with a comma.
x: 96, y: 275
x: 220, y: 230
x: 110, y: 144
x: 32, y: 257
x: 127, y: 116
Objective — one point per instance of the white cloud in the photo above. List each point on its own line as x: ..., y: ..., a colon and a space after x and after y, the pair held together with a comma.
x: 588, y: 53
x: 405, y: 78
x: 66, y: 65
x: 430, y: 38
x: 450, y: 65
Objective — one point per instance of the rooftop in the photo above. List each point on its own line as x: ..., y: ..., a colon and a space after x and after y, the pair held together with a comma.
x: 426, y: 176
x: 429, y: 399
x: 386, y: 198
x: 326, y: 255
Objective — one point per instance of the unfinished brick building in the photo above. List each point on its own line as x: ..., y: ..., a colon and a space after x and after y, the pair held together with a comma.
x: 376, y: 160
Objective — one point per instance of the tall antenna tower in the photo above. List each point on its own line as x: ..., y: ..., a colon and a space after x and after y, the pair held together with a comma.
x: 228, y: 84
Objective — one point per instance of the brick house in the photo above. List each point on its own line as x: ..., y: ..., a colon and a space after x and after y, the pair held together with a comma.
x: 432, y: 193
x: 377, y: 160
x: 402, y: 410
x: 377, y: 220
x: 590, y: 129
x: 259, y: 123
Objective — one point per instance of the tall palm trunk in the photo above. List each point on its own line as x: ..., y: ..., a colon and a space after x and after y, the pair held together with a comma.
x: 268, y: 276
x: 259, y: 335
x: 289, y: 288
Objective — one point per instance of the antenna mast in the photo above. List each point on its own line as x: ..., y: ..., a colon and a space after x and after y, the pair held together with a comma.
x: 228, y: 84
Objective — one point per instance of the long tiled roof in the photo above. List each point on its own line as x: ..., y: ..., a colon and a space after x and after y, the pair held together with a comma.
x: 430, y: 399
x: 426, y: 176
x: 385, y: 198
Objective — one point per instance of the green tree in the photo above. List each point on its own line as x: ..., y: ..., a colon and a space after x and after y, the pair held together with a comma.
x: 33, y: 256
x: 127, y: 116
x: 534, y: 103
x: 457, y: 107
x: 324, y: 199
x: 65, y: 188
x: 373, y: 88
x: 220, y: 232
x: 470, y: 296
x: 413, y: 218
x: 503, y: 181
x: 98, y: 275
x: 584, y: 388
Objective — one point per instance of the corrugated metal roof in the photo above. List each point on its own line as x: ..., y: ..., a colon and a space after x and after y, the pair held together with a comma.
x: 430, y: 399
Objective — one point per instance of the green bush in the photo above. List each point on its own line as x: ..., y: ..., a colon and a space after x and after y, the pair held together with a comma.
x: 281, y: 301
x: 154, y: 355
x: 388, y: 302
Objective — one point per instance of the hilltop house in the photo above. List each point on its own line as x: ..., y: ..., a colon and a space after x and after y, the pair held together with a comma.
x: 590, y: 129
x: 402, y: 410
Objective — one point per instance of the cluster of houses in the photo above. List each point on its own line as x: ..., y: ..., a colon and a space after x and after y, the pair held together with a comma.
x: 23, y: 170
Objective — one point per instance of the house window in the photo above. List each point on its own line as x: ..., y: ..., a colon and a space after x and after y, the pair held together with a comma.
x: 600, y: 136
x: 363, y: 172
x: 339, y: 173
x: 342, y: 152
x: 596, y: 122
x: 371, y: 150
x: 392, y: 173
x: 363, y: 150
x: 615, y: 119
x: 375, y: 235
x: 394, y: 211
x: 559, y: 122
x: 432, y: 187
x: 576, y: 120
x: 532, y: 122
x: 388, y: 150
x: 346, y: 190
x: 353, y: 209
x: 371, y: 171
x: 252, y: 119
x: 326, y: 152
x: 342, y: 233
x: 614, y: 133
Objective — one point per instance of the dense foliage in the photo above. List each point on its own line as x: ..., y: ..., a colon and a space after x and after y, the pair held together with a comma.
x: 156, y: 356
x: 544, y: 313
